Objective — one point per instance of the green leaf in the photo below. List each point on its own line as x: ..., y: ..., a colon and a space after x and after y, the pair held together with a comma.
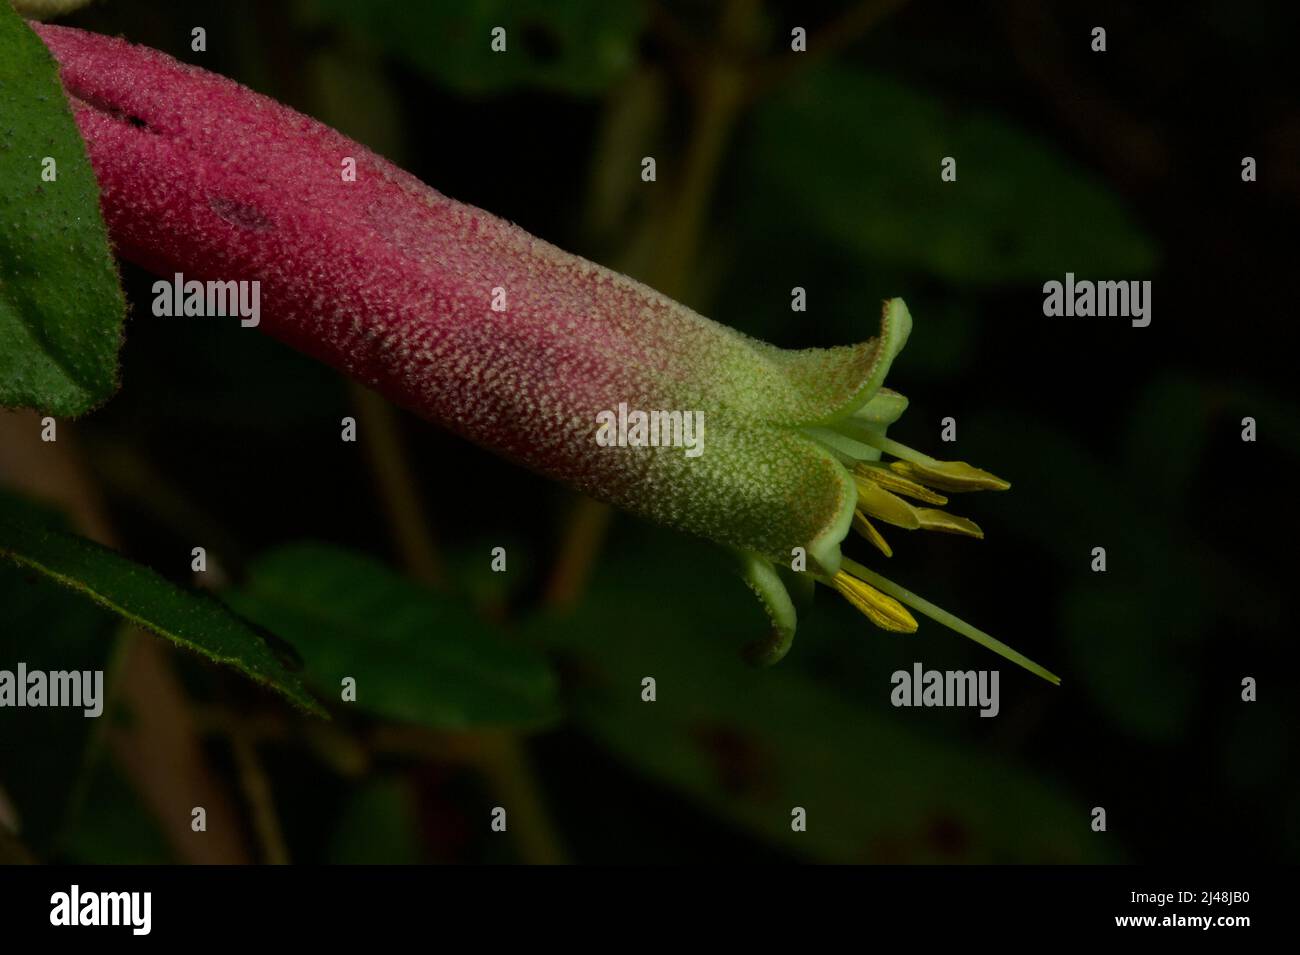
x: 858, y: 156
x: 751, y: 744
x: 579, y: 47
x: 61, y: 307
x: 416, y: 655
x: 191, y: 619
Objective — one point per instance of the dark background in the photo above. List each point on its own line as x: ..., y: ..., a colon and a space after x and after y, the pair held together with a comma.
x: 1117, y: 165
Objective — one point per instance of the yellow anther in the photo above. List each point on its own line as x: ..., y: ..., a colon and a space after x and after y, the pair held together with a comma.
x: 950, y: 476
x: 934, y: 520
x: 875, y: 501
x: 882, y: 610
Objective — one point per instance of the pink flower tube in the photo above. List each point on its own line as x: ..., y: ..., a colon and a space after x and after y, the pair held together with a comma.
x: 509, y: 341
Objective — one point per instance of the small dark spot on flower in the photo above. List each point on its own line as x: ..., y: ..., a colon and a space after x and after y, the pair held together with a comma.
x: 109, y: 109
x: 239, y: 213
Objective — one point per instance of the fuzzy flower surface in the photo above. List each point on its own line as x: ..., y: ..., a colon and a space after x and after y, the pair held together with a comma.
x: 507, y: 340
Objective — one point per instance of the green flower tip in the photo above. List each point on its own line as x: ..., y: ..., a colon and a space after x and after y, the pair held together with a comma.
x: 907, y: 491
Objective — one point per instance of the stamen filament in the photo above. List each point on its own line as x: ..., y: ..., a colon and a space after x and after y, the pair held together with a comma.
x: 846, y: 447
x: 942, y: 616
x: 868, y: 530
x: 892, y: 447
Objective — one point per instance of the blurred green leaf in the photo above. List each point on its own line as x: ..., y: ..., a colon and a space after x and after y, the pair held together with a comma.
x: 858, y: 156
x: 45, y: 747
x: 1135, y: 654
x: 579, y: 47
x: 488, y: 591
x: 41, y: 9
x: 378, y: 826
x: 190, y: 619
x: 416, y: 655
x: 752, y: 744
x: 61, y: 307
x: 112, y: 827
x: 1167, y: 436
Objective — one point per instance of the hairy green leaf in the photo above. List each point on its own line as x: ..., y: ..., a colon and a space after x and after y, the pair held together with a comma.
x: 61, y: 307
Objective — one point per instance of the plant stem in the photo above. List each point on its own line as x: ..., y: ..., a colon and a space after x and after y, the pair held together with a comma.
x: 398, y: 494
x: 257, y: 790
x: 505, y: 763
x: 844, y: 30
x: 584, y: 534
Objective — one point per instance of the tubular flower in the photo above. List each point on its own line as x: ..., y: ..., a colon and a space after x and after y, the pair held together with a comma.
x: 516, y: 345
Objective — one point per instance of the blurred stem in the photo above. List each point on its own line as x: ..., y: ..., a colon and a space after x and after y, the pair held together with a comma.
x: 502, y: 761
x: 719, y: 100
x: 257, y: 790
x: 505, y: 764
x: 403, y: 506
x: 825, y: 42
x: 1129, y: 146
x: 126, y: 472
x: 123, y: 636
x: 584, y: 533
x: 158, y: 746
x: 493, y: 754
x: 12, y: 850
